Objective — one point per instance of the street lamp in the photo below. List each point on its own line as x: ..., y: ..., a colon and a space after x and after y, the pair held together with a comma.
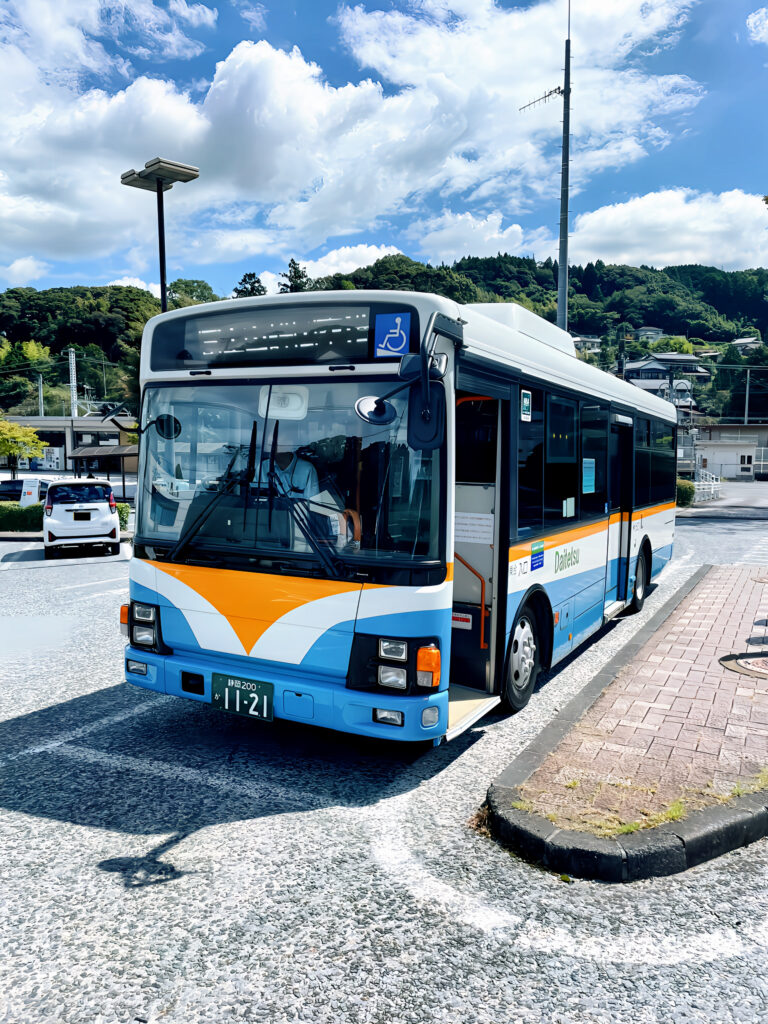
x: 158, y: 176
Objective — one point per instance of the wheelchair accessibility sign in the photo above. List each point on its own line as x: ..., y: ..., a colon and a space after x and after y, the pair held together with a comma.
x: 393, y: 332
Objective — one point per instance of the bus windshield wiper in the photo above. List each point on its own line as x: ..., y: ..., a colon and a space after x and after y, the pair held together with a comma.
x: 301, y: 517
x: 226, y: 485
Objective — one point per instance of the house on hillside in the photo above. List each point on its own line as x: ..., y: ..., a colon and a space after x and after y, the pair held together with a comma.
x: 648, y: 334
x: 745, y: 345
x: 588, y: 343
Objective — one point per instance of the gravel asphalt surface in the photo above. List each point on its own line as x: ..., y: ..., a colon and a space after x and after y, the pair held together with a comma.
x: 164, y: 862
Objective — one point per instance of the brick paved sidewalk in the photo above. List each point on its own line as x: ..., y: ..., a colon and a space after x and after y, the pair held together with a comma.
x: 676, y: 730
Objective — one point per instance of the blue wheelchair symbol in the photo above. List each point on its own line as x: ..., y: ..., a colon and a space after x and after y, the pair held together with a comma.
x: 393, y: 331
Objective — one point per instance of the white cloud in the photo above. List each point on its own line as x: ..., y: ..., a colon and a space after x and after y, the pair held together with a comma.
x: 136, y: 282
x: 24, y: 270
x: 347, y: 258
x: 450, y: 236
x: 310, y: 161
x: 728, y: 230
x: 757, y: 25
x: 254, y: 14
x: 195, y: 14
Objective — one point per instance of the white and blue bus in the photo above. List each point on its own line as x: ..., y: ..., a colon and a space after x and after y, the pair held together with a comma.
x: 383, y: 512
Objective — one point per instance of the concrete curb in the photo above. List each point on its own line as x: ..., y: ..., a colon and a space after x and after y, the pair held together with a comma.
x: 648, y: 853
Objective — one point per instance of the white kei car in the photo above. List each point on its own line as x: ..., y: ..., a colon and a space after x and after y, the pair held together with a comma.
x: 80, y: 512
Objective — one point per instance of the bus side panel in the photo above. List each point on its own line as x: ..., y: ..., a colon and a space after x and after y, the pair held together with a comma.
x: 570, y: 566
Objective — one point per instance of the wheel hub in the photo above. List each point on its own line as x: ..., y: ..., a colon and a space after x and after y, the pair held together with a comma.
x: 523, y: 654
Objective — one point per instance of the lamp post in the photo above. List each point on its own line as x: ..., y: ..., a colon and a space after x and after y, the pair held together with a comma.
x: 158, y: 176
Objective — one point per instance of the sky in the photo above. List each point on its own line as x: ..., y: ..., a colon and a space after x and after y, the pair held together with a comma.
x: 336, y: 133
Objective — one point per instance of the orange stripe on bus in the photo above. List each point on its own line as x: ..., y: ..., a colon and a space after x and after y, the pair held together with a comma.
x: 252, y: 602
x: 555, y: 540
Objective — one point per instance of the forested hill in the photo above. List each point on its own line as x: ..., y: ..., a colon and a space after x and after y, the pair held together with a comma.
x: 103, y: 324
x: 692, y: 301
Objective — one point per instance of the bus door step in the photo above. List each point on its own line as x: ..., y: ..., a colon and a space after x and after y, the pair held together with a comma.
x: 611, y: 610
x: 470, y: 662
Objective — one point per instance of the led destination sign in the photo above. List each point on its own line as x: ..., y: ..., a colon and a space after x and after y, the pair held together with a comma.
x: 285, y: 335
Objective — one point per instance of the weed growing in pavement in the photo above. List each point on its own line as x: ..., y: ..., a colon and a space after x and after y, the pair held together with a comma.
x: 522, y: 805
x: 573, y: 784
x: 480, y: 821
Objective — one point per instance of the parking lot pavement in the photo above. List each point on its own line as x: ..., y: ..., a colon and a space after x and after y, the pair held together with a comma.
x: 166, y: 862
x: 29, y: 554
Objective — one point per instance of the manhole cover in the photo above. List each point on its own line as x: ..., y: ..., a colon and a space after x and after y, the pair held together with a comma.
x: 747, y: 664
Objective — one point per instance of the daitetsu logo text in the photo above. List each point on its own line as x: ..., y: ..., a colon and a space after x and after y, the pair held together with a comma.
x: 566, y: 558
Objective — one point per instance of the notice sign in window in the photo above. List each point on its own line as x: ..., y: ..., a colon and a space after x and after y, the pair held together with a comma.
x: 587, y: 476
x: 525, y: 406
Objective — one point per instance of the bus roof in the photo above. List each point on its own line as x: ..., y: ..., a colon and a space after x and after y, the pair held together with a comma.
x: 503, y: 332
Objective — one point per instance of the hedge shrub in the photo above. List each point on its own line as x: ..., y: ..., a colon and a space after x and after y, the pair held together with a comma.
x: 15, y: 519
x: 686, y: 492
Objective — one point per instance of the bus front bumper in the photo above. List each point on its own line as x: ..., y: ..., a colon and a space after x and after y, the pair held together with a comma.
x: 298, y: 696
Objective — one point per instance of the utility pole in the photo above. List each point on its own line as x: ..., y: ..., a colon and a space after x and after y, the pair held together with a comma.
x: 40, y: 406
x: 562, y: 263
x: 746, y: 400
x: 72, y: 384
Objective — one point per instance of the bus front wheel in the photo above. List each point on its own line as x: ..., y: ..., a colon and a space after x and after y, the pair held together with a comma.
x: 641, y: 581
x: 524, y: 661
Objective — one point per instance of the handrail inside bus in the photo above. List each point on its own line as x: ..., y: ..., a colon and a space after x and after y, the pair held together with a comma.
x: 483, y: 612
x: 474, y: 398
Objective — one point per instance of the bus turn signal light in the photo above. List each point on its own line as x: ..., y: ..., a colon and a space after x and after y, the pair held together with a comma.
x: 428, y: 666
x: 124, y: 619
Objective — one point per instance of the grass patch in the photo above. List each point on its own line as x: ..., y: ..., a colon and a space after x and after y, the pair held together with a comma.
x: 522, y: 805
x: 573, y: 784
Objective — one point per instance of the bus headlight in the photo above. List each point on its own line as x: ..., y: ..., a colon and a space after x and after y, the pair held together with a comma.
x: 144, y: 636
x: 393, y: 676
x: 394, y: 650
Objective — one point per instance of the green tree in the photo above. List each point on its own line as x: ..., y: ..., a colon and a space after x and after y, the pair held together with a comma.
x: 249, y: 285
x: 676, y: 344
x: 187, y: 292
x: 18, y: 442
x: 296, y: 279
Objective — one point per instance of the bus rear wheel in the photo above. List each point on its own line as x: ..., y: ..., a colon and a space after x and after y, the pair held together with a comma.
x: 524, y: 662
x: 641, y: 581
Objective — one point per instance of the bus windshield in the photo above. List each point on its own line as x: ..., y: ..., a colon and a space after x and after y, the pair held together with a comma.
x: 285, y: 472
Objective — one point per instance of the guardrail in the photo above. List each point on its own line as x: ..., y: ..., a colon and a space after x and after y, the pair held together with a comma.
x: 707, y: 486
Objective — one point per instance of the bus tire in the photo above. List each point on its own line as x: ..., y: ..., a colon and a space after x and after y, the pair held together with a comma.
x: 641, y: 581
x: 524, y: 661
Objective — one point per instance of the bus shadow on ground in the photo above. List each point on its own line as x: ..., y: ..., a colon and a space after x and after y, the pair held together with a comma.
x: 128, y: 761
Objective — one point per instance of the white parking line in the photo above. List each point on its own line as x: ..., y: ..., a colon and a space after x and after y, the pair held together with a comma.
x: 268, y: 790
x: 93, y: 583
x: 84, y: 730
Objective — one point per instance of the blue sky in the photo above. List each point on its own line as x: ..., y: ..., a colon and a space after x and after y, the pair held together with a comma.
x: 336, y: 133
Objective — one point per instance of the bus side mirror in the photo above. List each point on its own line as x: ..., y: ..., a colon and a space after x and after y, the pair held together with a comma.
x: 426, y: 420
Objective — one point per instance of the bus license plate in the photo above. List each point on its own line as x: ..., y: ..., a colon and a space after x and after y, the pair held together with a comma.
x: 248, y: 697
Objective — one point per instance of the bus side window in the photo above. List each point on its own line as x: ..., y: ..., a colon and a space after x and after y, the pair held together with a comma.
x: 561, y: 475
x: 594, y: 444
x: 662, y: 462
x: 530, y: 465
x: 642, y: 462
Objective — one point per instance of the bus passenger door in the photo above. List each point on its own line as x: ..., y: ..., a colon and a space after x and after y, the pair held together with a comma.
x: 477, y: 545
x: 621, y: 461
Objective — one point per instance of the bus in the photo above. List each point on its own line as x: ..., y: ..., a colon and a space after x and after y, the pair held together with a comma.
x: 383, y: 513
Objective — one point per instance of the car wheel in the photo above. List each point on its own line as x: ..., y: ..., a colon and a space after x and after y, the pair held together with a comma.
x: 49, y: 553
x: 114, y: 549
x: 641, y: 581
x: 524, y: 663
